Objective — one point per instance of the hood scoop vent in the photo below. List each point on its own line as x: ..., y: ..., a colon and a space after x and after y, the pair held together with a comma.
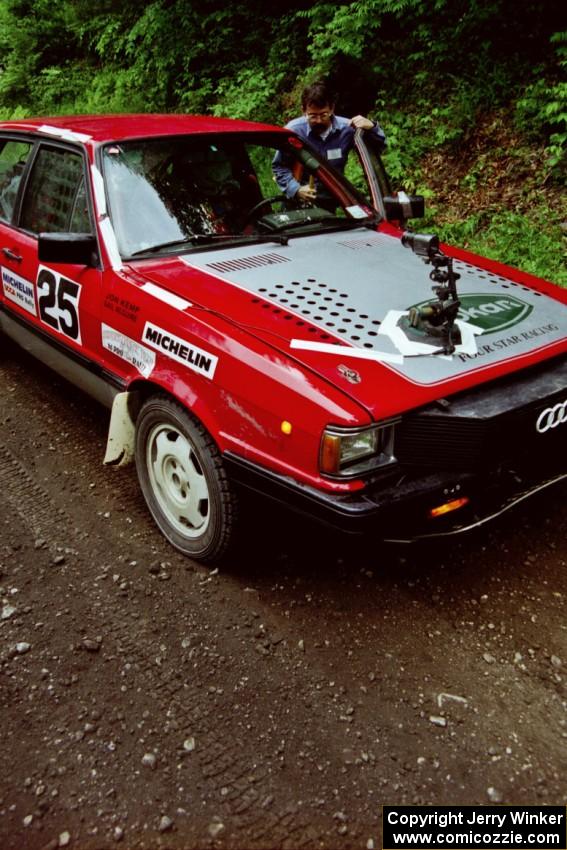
x: 254, y: 262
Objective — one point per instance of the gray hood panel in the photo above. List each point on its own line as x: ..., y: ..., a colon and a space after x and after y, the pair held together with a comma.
x: 345, y: 284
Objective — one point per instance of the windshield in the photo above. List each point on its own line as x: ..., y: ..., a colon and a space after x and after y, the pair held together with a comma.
x: 175, y: 192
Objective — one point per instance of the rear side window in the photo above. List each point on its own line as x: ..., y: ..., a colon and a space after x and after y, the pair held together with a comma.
x: 13, y: 158
x: 56, y: 200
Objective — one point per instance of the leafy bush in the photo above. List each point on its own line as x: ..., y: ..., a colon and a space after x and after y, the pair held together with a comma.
x: 531, y: 245
x: 430, y: 71
x: 543, y: 108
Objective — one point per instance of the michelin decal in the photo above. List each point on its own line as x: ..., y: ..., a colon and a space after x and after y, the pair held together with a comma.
x: 19, y: 290
x: 180, y: 350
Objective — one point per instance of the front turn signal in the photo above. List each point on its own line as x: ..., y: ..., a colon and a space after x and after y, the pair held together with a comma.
x: 448, y: 507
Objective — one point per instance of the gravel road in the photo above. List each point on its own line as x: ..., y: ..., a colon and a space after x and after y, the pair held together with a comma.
x: 151, y: 702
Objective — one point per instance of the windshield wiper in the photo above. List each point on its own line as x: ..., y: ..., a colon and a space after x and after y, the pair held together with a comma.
x: 207, y: 238
x: 204, y: 238
x: 338, y: 223
x: 162, y: 245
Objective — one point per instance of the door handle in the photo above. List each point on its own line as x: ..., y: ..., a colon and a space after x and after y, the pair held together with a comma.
x: 11, y: 255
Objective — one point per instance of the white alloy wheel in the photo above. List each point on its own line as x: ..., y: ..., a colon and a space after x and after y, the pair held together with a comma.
x: 183, y: 479
x: 177, y: 480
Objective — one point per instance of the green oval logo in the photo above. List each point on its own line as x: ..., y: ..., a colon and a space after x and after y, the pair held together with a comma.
x: 491, y: 313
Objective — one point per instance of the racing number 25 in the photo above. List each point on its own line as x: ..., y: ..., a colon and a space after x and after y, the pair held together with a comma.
x: 58, y: 300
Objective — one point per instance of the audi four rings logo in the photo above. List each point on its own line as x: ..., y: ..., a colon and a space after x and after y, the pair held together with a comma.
x: 551, y: 417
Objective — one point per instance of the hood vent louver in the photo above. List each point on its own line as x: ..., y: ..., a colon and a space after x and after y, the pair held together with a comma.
x: 255, y: 262
x: 370, y: 240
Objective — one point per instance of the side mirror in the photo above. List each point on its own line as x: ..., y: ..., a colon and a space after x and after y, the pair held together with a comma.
x: 404, y: 206
x: 78, y: 248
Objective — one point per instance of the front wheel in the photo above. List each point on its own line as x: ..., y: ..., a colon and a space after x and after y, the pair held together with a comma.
x: 183, y: 480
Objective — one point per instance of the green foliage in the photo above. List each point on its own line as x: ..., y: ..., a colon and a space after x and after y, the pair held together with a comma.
x: 543, y: 108
x: 532, y: 244
x: 355, y: 174
x: 430, y: 70
x: 246, y: 94
x: 414, y: 132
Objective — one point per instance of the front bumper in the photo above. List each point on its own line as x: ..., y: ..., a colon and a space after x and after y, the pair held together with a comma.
x: 485, y: 445
x: 398, y: 508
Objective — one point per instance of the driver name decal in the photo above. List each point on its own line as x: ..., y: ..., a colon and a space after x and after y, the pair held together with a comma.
x: 179, y: 349
x: 19, y: 290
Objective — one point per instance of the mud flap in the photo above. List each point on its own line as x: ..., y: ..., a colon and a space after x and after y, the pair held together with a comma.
x: 121, y: 432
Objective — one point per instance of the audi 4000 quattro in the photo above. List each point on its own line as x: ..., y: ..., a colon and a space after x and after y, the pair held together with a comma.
x: 316, y: 354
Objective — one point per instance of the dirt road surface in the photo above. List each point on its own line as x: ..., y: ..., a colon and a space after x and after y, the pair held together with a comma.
x: 147, y: 701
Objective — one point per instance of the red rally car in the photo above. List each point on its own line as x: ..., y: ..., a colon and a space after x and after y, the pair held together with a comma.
x: 316, y: 354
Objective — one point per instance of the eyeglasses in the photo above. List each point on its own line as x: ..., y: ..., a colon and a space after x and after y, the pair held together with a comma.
x: 312, y: 116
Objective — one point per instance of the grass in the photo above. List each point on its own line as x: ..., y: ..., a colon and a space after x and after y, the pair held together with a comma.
x: 534, y: 244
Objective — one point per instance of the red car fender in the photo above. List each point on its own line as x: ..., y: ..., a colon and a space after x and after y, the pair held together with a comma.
x: 251, y: 391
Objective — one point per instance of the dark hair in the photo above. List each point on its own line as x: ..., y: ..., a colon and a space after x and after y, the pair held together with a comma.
x: 319, y: 94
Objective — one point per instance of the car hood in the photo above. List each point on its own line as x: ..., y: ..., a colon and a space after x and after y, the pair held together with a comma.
x: 332, y: 302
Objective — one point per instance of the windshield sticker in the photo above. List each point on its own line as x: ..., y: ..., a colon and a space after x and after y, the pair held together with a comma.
x: 128, y: 349
x: 356, y: 211
x: 167, y: 297
x: 491, y: 313
x: 19, y: 290
x: 180, y: 350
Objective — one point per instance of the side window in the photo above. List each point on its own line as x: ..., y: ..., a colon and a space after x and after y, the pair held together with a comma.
x: 261, y: 159
x: 55, y: 200
x: 13, y: 158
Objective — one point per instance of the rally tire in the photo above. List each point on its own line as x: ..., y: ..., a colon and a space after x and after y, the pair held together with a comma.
x: 183, y: 480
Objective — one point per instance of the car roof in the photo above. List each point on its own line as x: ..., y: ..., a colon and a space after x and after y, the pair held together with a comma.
x: 106, y: 128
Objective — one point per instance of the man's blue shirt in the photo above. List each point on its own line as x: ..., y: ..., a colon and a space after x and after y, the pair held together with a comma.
x: 333, y: 148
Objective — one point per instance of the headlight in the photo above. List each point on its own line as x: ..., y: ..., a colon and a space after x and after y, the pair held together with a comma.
x: 348, y: 452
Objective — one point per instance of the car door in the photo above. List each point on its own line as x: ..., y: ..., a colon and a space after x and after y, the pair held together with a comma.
x: 367, y: 150
x: 16, y: 293
x: 59, y: 302
x: 396, y: 209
